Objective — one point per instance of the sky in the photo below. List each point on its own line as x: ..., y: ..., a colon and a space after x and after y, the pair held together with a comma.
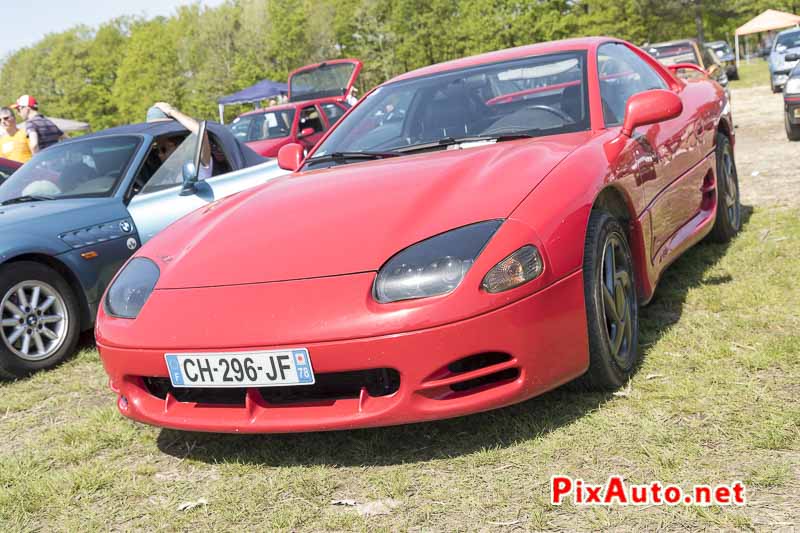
x: 27, y: 21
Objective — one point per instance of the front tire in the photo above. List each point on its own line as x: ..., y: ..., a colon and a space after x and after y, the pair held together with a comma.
x: 612, y: 305
x: 39, y: 319
x: 792, y: 130
x: 729, y: 209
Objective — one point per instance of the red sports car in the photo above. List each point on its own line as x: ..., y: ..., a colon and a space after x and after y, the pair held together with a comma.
x: 470, y: 235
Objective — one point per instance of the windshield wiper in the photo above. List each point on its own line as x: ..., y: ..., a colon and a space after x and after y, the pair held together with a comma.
x: 28, y: 198
x: 449, y: 141
x: 344, y: 156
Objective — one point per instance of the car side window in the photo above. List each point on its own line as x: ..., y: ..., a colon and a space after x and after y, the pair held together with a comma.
x: 622, y: 74
x: 333, y: 112
x: 309, y: 118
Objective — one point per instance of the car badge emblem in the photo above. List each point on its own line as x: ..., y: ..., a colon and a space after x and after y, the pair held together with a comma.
x: 125, y: 226
x: 132, y: 244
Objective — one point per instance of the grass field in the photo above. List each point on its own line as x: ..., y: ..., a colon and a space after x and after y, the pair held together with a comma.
x: 715, y: 401
x: 751, y: 74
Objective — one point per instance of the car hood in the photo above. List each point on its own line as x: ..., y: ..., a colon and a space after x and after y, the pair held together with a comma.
x: 350, y: 218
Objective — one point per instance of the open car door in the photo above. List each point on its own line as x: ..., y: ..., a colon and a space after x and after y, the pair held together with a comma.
x: 334, y: 78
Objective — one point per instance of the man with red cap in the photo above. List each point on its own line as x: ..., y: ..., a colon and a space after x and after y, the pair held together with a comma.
x: 40, y: 130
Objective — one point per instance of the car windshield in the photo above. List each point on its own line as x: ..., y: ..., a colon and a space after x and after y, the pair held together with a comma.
x: 543, y: 95
x: 672, y: 54
x: 260, y: 126
x: 82, y: 168
x: 721, y: 49
x: 788, y: 40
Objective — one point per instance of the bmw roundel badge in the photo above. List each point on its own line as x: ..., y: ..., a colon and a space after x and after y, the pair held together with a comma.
x: 125, y: 226
x: 132, y: 244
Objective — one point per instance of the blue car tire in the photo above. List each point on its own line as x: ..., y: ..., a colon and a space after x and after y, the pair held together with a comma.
x: 39, y: 319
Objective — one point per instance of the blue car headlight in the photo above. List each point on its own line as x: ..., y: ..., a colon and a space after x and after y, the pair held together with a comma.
x: 434, y: 266
x: 129, y: 292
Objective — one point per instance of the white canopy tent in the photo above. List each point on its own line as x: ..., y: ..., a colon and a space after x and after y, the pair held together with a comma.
x: 767, y: 21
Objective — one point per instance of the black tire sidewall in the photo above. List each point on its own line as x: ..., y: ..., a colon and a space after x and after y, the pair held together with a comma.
x: 723, y: 229
x: 13, y: 366
x: 604, y: 372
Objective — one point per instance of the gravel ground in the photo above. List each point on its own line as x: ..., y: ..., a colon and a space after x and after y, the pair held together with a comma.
x: 767, y: 161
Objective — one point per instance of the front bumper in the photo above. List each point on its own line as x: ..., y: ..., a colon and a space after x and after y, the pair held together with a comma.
x: 541, y: 341
x: 779, y: 79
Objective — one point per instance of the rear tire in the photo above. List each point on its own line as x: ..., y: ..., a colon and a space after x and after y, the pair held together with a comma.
x: 39, y: 319
x: 612, y: 305
x: 792, y: 130
x: 729, y: 209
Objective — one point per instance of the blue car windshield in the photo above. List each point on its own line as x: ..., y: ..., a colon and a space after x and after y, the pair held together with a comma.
x: 788, y: 40
x: 77, y: 169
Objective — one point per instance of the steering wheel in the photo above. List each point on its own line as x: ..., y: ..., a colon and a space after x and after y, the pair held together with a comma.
x: 557, y: 112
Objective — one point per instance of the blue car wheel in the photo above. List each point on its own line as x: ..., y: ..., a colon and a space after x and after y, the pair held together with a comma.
x: 39, y: 319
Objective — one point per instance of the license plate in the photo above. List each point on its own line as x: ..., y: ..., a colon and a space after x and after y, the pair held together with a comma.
x: 275, y: 368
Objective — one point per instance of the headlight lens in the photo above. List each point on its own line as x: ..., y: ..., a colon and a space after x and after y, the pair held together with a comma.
x: 129, y: 292
x: 434, y: 266
x: 792, y: 86
x: 520, y: 267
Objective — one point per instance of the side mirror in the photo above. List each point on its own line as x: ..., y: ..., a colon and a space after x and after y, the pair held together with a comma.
x: 191, y: 168
x: 189, y: 172
x: 791, y: 57
x: 305, y: 132
x: 290, y: 156
x: 650, y: 107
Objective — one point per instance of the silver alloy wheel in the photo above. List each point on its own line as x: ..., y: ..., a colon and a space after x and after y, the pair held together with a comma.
x: 616, y: 286
x: 731, y: 189
x: 33, y: 320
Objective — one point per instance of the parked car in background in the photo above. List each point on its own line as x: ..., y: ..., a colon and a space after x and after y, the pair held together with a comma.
x: 725, y: 56
x: 791, y: 100
x: 7, y: 167
x: 72, y: 215
x: 492, y: 244
x: 317, y: 99
x: 689, y: 51
x: 786, y: 42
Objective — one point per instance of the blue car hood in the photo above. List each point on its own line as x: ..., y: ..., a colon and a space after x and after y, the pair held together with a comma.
x: 37, y: 223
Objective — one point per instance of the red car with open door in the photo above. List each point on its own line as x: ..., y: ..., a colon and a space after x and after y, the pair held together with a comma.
x: 318, y: 97
x: 470, y: 235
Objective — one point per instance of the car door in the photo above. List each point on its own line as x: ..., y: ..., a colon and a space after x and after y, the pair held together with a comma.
x: 160, y: 201
x: 310, y: 126
x: 667, y: 150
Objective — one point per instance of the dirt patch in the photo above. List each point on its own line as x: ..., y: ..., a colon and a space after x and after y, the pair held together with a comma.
x: 767, y: 161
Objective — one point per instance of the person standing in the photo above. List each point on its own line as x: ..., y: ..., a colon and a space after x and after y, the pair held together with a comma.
x: 40, y: 129
x: 13, y: 140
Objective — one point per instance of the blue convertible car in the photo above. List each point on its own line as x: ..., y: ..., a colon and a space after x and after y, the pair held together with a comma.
x: 72, y: 215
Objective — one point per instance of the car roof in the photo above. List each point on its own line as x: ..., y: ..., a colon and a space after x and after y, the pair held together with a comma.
x: 672, y: 43
x: 789, y: 30
x: 716, y: 43
x: 582, y: 43
x: 292, y: 105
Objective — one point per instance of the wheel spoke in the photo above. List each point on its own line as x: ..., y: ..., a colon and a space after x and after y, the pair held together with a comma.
x: 26, y: 344
x: 610, y: 305
x: 628, y: 330
x: 46, y: 303
x: 8, y: 304
x: 16, y: 335
x: 50, y: 319
x: 50, y: 334
x: 37, y: 340
x: 22, y: 297
x: 8, y: 322
x: 35, y: 296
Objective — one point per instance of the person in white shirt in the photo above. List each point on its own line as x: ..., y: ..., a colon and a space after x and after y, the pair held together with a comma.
x: 169, y: 145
